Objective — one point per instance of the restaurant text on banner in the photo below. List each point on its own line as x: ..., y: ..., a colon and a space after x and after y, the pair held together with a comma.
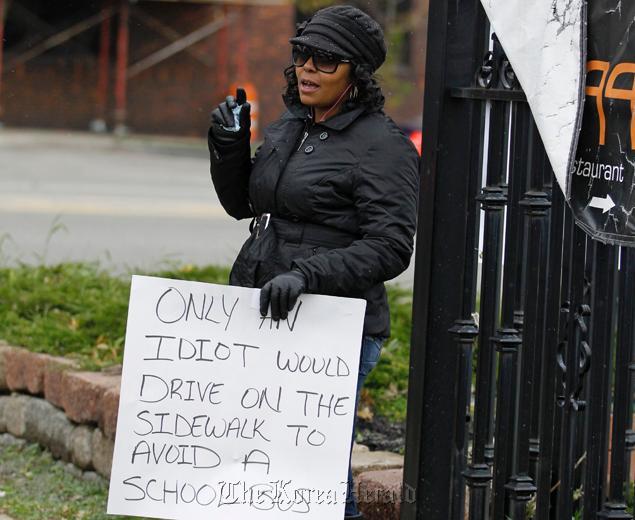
x: 602, y: 194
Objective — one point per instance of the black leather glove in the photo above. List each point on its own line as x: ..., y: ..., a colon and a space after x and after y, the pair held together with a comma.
x: 282, y: 292
x: 223, y: 121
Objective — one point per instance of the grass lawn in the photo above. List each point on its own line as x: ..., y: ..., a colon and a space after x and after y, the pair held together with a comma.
x: 79, y: 311
x: 35, y: 487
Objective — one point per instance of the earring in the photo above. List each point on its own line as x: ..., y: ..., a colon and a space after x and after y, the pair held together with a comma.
x: 354, y: 93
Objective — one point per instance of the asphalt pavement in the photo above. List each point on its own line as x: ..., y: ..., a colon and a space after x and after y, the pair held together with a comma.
x: 133, y: 203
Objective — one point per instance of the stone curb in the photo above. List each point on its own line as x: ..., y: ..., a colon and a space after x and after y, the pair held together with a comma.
x: 379, y: 494
x: 365, y: 461
x: 37, y: 420
x: 75, y: 406
x: 86, y: 397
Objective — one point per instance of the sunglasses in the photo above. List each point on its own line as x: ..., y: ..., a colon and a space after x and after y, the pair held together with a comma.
x: 322, y: 61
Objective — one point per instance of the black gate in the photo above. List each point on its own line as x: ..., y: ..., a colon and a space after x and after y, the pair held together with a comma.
x: 522, y: 352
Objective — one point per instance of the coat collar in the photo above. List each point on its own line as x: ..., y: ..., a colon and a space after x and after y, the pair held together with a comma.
x: 338, y: 122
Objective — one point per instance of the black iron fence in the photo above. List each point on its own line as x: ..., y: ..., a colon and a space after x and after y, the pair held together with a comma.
x: 523, y: 341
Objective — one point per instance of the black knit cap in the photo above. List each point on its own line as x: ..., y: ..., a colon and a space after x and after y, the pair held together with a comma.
x: 345, y: 31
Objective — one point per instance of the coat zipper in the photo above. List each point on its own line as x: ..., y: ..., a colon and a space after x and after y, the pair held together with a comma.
x: 306, y: 134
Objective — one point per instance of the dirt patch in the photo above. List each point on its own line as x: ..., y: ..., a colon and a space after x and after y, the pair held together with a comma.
x: 381, y: 434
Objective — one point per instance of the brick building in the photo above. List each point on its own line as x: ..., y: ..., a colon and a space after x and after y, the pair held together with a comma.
x: 159, y: 66
x: 405, y: 105
x: 150, y: 66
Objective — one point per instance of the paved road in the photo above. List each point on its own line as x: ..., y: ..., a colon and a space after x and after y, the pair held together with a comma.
x: 131, y: 204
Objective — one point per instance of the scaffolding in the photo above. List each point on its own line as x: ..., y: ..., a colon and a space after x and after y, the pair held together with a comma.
x: 119, y: 13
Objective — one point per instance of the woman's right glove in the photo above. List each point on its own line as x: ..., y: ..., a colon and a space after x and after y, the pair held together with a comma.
x: 224, y: 129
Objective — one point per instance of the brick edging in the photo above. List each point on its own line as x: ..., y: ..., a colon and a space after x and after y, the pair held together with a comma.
x: 86, y: 397
x: 70, y: 412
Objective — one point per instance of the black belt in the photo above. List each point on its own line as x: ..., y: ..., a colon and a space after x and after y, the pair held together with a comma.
x: 305, y: 232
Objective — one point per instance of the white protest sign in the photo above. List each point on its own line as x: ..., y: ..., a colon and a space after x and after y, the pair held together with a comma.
x: 227, y: 415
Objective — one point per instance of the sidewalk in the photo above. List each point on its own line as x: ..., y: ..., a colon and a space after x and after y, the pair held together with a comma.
x: 165, y: 144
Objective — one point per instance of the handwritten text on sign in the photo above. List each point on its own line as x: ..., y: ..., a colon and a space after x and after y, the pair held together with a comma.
x: 226, y: 414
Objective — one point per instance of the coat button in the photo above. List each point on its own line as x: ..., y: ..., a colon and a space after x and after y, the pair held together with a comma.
x: 308, y: 149
x: 324, y: 136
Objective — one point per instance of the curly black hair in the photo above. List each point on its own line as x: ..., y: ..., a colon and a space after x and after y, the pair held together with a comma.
x: 369, y: 94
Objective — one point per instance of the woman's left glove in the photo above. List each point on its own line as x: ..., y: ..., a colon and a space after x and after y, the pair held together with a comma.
x: 282, y: 292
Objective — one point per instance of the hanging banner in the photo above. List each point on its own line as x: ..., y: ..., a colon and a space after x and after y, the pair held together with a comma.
x: 587, y: 124
x: 227, y: 414
x: 602, y: 182
x: 544, y: 42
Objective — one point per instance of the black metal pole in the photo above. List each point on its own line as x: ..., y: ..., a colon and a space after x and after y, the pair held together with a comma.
x: 536, y: 204
x: 599, y: 406
x: 507, y: 339
x: 493, y: 199
x: 455, y: 44
x: 465, y: 329
x: 576, y: 335
x: 544, y: 476
x: 561, y: 353
x: 630, y: 432
x: 615, y: 507
x: 545, y: 272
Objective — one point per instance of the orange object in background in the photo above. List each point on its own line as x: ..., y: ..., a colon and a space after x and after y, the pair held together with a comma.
x: 416, y: 136
x: 252, y: 99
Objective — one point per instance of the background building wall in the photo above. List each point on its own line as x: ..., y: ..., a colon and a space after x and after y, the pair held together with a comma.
x: 58, y: 89
x: 176, y: 96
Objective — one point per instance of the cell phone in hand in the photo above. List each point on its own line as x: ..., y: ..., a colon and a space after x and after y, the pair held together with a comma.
x: 241, y: 99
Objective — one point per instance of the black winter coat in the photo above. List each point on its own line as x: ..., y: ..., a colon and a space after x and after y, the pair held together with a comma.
x: 343, y: 196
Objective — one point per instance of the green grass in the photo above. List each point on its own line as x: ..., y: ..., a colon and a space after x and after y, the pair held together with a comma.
x: 71, y: 310
x: 74, y: 310
x: 79, y: 311
x: 34, y: 487
x: 387, y: 385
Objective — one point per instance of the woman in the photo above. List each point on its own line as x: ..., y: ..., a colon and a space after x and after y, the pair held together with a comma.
x: 332, y: 189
